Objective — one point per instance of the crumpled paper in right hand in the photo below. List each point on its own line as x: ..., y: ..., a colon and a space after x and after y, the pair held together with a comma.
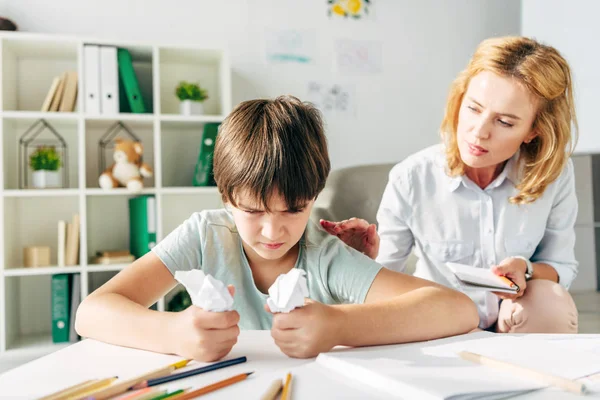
x: 206, y: 292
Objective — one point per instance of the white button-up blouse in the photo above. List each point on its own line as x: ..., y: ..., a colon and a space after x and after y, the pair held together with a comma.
x: 451, y: 219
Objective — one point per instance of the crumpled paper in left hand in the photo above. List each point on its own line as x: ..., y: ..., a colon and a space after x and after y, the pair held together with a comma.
x: 288, y: 291
x: 206, y: 292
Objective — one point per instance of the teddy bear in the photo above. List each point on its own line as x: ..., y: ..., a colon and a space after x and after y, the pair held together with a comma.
x: 127, y: 170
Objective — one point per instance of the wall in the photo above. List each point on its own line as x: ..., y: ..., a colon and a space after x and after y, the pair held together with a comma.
x: 425, y: 44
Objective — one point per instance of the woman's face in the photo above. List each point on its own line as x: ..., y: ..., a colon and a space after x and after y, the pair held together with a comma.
x: 495, y: 117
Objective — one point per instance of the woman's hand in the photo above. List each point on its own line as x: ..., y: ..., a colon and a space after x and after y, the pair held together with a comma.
x: 514, y: 269
x: 204, y: 335
x: 307, y: 331
x: 356, y: 233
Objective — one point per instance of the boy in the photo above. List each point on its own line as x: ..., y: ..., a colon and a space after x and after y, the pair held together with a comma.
x: 270, y: 164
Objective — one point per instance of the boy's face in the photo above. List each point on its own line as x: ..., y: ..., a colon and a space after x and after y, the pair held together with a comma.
x: 269, y: 234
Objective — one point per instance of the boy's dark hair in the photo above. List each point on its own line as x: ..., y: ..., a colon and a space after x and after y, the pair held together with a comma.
x: 265, y: 146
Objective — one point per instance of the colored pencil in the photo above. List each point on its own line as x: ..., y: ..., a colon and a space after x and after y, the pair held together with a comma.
x: 558, y: 381
x: 144, y: 394
x: 211, y: 388
x: 122, y: 387
x: 509, y: 282
x: 191, y: 372
x: 71, y: 389
x: 168, y: 395
x: 273, y: 390
x: 287, y: 388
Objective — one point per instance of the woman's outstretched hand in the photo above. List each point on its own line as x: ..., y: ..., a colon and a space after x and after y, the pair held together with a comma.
x: 356, y: 233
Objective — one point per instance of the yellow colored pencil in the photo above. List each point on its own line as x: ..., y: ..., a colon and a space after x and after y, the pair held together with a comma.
x: 122, y: 387
x: 69, y: 390
x: 273, y: 390
x: 84, y: 391
x: 287, y: 388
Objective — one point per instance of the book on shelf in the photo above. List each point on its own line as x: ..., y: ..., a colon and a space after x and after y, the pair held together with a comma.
x: 113, y: 257
x: 62, y: 94
x: 56, y: 99
x: 62, y: 243
x: 69, y: 96
x: 65, y: 298
x: 60, y: 308
x: 72, y: 242
x: 51, y: 93
x: 75, y: 301
x: 130, y: 82
x: 142, y: 224
x: 203, y: 176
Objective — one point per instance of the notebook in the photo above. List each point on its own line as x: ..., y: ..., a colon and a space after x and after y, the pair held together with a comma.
x: 472, y: 278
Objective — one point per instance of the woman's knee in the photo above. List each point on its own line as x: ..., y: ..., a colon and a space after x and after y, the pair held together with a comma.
x: 546, y: 307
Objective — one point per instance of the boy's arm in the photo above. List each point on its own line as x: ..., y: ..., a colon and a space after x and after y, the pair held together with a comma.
x: 398, y: 308
x: 118, y: 313
x: 403, y: 308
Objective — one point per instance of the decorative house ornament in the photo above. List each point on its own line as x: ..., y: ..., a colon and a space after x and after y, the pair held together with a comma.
x: 46, y: 157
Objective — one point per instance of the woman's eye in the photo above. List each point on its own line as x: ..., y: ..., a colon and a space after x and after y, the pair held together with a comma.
x: 472, y: 108
x: 506, y: 124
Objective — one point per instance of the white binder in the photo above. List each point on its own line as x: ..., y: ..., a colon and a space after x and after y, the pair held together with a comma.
x: 109, y: 80
x: 91, y: 68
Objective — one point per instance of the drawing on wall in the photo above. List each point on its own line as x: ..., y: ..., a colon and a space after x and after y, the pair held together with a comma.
x: 332, y: 98
x: 348, y: 8
x: 289, y: 46
x: 357, y: 57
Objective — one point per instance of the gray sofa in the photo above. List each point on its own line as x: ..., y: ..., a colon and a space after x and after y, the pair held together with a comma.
x: 355, y: 192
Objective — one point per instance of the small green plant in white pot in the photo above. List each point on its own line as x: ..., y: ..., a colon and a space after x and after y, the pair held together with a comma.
x: 191, y: 96
x: 45, y: 163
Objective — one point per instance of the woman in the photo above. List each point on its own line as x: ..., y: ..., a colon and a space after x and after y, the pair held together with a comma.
x: 498, y: 193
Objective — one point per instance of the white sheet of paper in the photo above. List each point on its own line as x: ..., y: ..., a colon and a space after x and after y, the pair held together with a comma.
x: 540, y: 355
x: 206, y: 292
x: 358, y: 57
x: 288, y: 291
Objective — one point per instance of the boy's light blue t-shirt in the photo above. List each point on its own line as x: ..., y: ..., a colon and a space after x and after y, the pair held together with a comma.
x: 208, y: 240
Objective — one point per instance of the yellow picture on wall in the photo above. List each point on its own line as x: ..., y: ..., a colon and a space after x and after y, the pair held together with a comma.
x: 348, y: 8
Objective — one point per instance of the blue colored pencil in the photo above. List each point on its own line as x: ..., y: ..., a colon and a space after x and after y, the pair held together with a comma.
x: 192, y: 372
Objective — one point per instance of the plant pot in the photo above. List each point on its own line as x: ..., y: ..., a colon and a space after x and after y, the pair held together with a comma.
x: 189, y: 107
x: 45, y: 179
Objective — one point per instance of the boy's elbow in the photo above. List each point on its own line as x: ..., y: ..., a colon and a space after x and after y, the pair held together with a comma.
x: 80, y: 318
x: 469, y: 314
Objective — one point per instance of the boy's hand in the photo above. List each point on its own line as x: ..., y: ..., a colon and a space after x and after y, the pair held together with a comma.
x: 307, y: 331
x: 204, y: 335
x: 356, y: 233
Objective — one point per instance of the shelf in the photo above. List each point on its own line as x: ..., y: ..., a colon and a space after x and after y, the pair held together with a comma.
x: 190, y: 190
x: 33, y: 271
x: 38, y: 114
x: 41, y: 192
x: 117, y: 192
x: 191, y: 118
x: 34, y: 344
x: 105, y: 267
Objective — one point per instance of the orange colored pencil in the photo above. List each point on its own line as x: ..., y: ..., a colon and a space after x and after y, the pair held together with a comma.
x: 509, y: 282
x: 287, y: 388
x: 211, y: 388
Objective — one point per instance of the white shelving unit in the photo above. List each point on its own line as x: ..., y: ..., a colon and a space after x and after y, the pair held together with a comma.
x: 28, y: 63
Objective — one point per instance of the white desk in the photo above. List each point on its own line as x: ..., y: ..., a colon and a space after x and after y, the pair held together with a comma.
x: 90, y: 359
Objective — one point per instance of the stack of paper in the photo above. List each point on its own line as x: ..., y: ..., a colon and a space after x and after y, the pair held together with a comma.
x: 438, y: 373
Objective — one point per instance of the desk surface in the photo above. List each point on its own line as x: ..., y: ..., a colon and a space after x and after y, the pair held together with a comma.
x: 90, y: 359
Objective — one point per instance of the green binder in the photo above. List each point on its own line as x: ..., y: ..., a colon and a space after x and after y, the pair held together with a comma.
x: 60, y: 294
x: 142, y: 225
x: 130, y: 82
x: 203, y: 176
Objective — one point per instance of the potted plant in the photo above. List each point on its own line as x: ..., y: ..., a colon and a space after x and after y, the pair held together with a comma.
x: 191, y: 96
x: 45, y: 163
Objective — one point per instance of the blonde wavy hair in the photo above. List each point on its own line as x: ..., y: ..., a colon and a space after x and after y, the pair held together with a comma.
x: 546, y: 74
